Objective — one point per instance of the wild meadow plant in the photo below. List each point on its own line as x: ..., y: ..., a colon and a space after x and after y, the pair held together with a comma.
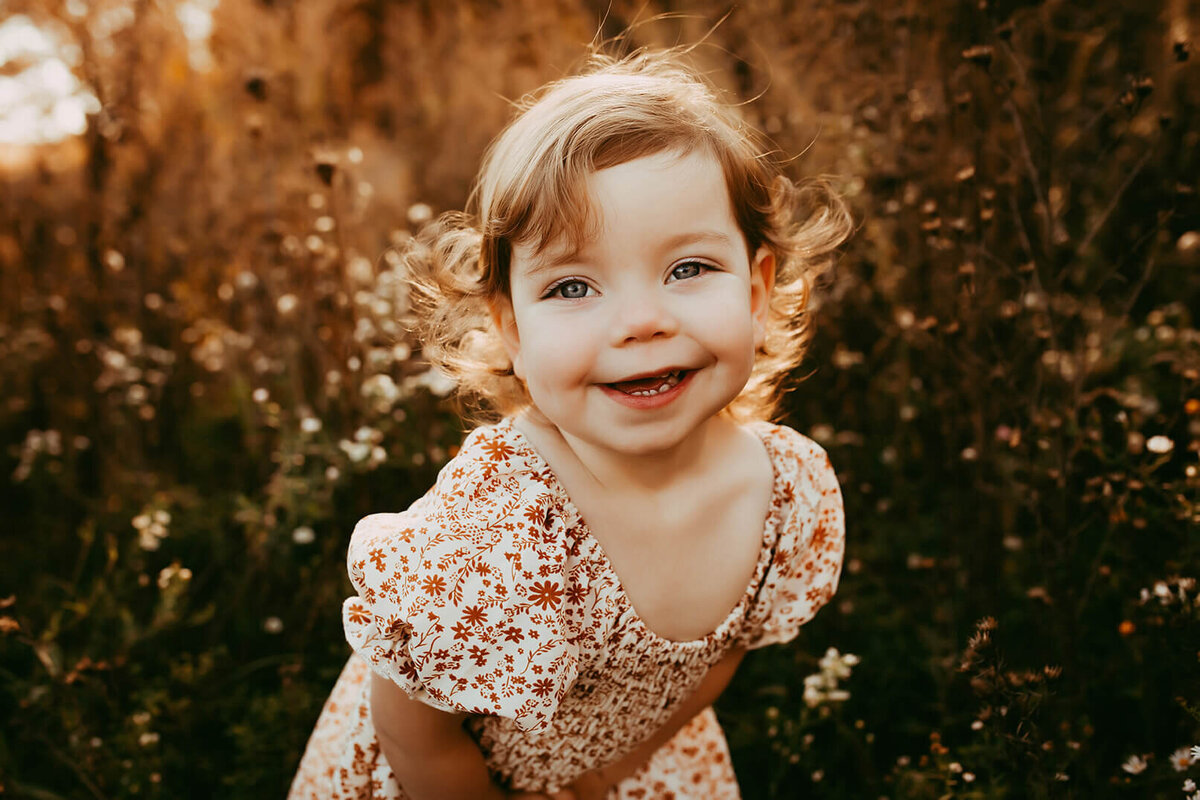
x: 207, y: 379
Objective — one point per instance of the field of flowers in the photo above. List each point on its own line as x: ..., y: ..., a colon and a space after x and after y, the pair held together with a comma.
x: 205, y: 377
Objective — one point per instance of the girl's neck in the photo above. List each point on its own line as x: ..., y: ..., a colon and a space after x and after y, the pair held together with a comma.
x: 573, y: 459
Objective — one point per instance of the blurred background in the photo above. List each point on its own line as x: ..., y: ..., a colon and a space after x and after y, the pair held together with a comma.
x: 205, y: 378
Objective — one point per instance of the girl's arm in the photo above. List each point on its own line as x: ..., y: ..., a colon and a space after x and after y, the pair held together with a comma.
x: 595, y: 784
x: 433, y: 756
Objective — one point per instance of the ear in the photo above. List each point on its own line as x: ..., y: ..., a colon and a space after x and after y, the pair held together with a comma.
x: 505, y: 321
x: 762, y: 282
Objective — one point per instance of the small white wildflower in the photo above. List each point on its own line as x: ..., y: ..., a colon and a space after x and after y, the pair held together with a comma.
x: 260, y: 395
x: 419, y: 213
x: 355, y: 451
x: 1159, y: 444
x: 1134, y: 765
x: 818, y: 776
x: 977, y: 725
x: 437, y: 382
x: 382, y: 391
x: 303, y: 535
x: 310, y: 424
x: 1189, y: 785
x: 1196, y: 752
x: 822, y: 432
x: 1062, y: 777
x: 273, y: 625
x: 968, y: 777
x: 148, y: 738
x: 955, y: 767
x: 287, y: 303
x: 1181, y: 759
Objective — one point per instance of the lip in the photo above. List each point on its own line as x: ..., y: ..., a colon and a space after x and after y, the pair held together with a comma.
x: 649, y: 402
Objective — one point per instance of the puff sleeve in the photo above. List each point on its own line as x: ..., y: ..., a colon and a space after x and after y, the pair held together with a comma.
x: 461, y: 600
x: 807, y: 560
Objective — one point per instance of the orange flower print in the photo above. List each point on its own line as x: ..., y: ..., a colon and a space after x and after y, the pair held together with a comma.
x: 358, y: 615
x: 543, y: 687
x: 497, y: 449
x: 545, y: 594
x: 377, y: 557
x: 433, y: 585
x: 535, y: 514
x: 474, y: 615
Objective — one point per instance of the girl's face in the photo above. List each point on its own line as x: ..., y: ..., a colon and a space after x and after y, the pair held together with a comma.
x: 634, y: 342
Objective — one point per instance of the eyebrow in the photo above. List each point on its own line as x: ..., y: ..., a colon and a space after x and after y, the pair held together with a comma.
x: 668, y: 244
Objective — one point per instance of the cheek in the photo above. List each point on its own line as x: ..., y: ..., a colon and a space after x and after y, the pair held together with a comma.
x: 555, y: 354
x: 729, y: 328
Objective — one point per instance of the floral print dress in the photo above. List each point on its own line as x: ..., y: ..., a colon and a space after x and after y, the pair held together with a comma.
x: 490, y: 596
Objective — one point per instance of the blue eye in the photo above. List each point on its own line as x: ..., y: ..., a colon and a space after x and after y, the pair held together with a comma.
x: 688, y: 269
x: 570, y: 290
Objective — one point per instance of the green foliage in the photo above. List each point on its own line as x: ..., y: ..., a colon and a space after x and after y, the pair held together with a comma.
x: 207, y: 382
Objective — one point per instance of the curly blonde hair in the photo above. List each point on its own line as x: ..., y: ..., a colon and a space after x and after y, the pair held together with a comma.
x: 531, y: 189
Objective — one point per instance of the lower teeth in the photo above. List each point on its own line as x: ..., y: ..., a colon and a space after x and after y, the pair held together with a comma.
x: 664, y: 387
x: 659, y: 390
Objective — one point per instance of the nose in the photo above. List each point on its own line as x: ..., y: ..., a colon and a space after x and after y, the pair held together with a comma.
x: 643, y: 318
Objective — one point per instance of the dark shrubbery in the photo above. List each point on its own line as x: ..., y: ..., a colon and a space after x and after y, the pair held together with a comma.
x: 206, y: 381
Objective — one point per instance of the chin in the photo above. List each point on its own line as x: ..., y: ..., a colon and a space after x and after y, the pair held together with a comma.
x: 649, y: 440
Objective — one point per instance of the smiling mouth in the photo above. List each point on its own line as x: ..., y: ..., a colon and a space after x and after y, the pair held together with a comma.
x: 653, y: 385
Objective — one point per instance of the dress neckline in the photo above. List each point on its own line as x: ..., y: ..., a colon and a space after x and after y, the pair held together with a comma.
x: 770, y: 534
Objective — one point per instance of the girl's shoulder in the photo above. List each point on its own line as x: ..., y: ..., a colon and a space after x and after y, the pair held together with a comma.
x: 793, y: 454
x: 808, y: 519
x: 494, y: 487
x: 467, y: 600
x: 492, y: 451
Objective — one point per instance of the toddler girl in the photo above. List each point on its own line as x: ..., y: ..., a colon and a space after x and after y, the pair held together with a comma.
x: 557, y: 615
